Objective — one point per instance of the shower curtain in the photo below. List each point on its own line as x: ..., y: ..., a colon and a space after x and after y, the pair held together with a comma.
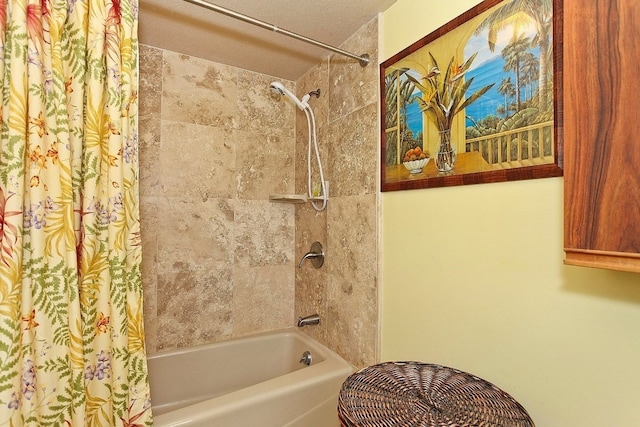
x: 71, y: 335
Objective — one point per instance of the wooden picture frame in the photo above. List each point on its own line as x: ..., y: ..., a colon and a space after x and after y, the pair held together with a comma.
x: 486, y: 75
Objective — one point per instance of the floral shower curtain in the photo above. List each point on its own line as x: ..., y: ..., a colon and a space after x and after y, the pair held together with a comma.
x: 71, y: 336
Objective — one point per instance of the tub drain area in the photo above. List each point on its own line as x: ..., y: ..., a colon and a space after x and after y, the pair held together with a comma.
x: 306, y: 358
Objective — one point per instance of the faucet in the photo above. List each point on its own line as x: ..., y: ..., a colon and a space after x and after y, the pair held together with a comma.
x: 314, y: 319
x: 316, y: 255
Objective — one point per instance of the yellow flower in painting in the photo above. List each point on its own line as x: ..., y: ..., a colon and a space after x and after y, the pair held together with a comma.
x: 444, y: 96
x: 40, y: 124
x: 102, y: 325
x: 35, y: 181
x: 113, y: 160
x: 30, y: 319
x: 456, y: 70
x: 36, y: 157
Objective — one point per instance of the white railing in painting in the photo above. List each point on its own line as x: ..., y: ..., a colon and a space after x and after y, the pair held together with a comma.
x: 525, y: 146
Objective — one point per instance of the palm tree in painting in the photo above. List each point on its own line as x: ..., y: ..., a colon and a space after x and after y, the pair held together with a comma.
x: 399, y: 94
x: 516, y: 14
x: 407, y: 97
x: 507, y: 90
x: 391, y: 115
x: 514, y: 56
x: 530, y: 71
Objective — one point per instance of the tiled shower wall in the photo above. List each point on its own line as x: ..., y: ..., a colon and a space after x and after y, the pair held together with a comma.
x: 345, y: 290
x: 219, y: 259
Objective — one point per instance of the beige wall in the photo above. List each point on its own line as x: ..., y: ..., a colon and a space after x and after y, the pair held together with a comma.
x: 219, y: 258
x: 472, y: 277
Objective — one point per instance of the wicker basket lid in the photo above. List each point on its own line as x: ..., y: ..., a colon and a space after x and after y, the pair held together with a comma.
x: 425, y: 395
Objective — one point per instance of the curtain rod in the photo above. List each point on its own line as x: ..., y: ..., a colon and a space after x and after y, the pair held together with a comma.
x: 362, y: 59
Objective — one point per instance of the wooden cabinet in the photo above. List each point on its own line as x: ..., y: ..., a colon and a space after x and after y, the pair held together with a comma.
x: 601, y: 95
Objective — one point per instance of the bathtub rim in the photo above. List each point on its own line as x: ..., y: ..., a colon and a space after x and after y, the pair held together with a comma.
x: 332, y: 368
x: 289, y: 331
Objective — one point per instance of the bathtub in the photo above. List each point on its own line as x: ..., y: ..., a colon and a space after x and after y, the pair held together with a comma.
x: 251, y: 381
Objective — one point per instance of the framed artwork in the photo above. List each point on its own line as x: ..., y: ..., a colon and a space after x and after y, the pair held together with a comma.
x: 478, y: 100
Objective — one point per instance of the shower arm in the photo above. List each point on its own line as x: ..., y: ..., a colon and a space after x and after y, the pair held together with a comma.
x: 362, y: 59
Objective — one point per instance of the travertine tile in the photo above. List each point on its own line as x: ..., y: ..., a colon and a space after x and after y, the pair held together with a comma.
x: 302, y: 156
x: 352, y: 241
x: 344, y: 291
x: 149, y: 135
x: 314, y: 79
x: 352, y: 278
x: 148, y: 231
x: 264, y: 233
x: 260, y: 110
x: 195, y: 165
x: 150, y: 99
x: 354, y: 153
x: 311, y: 292
x: 310, y: 226
x: 198, y: 91
x: 352, y: 322
x: 351, y: 85
x: 258, y: 296
x: 219, y: 259
x: 194, y: 305
x: 150, y: 96
x: 197, y: 161
x: 265, y: 165
x: 195, y: 232
x: 311, y: 298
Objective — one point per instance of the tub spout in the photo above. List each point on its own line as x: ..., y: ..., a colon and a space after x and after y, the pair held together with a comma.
x: 316, y: 255
x: 314, y: 319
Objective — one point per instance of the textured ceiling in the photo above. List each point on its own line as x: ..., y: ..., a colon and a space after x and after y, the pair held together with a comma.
x: 183, y: 27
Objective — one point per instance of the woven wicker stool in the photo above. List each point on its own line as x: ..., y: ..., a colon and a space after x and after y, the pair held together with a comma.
x: 408, y: 394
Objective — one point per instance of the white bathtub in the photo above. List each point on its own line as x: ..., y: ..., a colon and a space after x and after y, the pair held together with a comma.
x: 252, y: 381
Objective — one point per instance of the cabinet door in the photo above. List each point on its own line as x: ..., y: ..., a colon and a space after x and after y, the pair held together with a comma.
x: 601, y: 96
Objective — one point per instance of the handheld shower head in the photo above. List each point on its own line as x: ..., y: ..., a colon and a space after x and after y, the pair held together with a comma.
x: 279, y: 89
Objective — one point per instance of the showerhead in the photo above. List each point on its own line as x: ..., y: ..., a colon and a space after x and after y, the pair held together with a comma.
x: 279, y: 89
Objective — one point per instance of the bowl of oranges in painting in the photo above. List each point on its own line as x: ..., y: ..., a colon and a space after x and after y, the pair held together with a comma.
x: 415, y: 160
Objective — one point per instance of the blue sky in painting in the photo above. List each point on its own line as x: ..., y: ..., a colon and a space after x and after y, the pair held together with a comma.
x: 487, y: 68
